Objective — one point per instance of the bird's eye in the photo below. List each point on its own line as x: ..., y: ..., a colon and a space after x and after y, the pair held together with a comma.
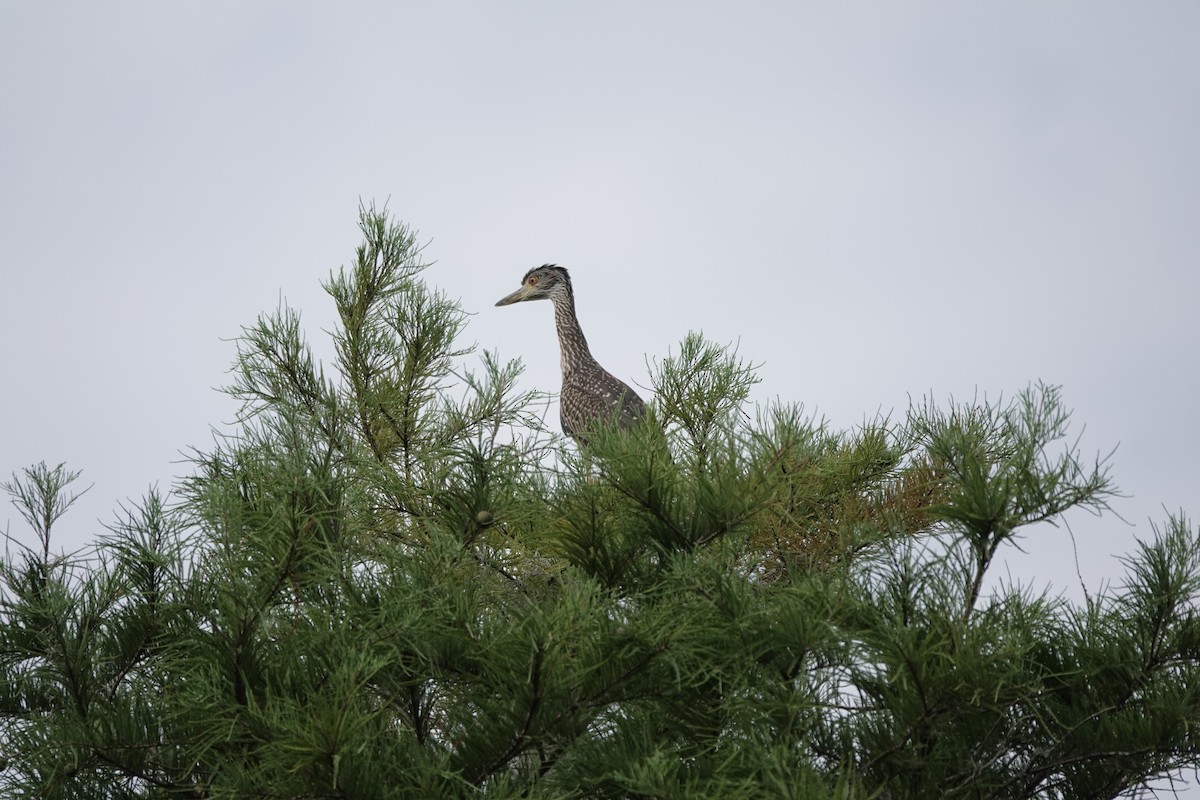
x: 532, y: 280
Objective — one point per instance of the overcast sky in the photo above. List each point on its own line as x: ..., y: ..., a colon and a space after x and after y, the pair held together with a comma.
x: 876, y: 201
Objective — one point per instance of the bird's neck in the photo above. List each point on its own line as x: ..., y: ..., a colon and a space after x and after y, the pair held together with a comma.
x: 572, y: 345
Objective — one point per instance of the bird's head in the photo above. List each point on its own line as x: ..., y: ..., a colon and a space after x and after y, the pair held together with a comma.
x: 541, y: 283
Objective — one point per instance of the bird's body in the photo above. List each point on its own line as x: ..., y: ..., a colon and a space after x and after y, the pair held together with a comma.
x: 590, y: 393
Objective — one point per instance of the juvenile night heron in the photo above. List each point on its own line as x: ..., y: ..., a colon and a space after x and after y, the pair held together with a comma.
x: 590, y: 393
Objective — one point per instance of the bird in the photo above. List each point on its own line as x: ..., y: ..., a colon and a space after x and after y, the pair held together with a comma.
x: 590, y: 393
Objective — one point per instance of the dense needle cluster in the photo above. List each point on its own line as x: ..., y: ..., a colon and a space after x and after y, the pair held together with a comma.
x: 377, y: 586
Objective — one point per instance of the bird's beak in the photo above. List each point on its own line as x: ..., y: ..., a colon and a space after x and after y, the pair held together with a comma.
x: 515, y: 297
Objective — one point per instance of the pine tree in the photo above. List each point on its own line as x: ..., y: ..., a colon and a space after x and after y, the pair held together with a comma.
x: 391, y: 581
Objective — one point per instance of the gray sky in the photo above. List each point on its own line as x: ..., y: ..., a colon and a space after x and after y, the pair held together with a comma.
x: 876, y: 201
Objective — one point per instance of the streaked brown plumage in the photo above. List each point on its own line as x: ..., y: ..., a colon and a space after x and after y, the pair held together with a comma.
x: 590, y: 393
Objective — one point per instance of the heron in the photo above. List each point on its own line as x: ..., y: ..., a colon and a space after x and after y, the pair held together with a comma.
x: 590, y: 393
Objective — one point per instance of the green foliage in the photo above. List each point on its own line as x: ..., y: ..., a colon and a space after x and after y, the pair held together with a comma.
x: 393, y: 583
x: 40, y: 495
